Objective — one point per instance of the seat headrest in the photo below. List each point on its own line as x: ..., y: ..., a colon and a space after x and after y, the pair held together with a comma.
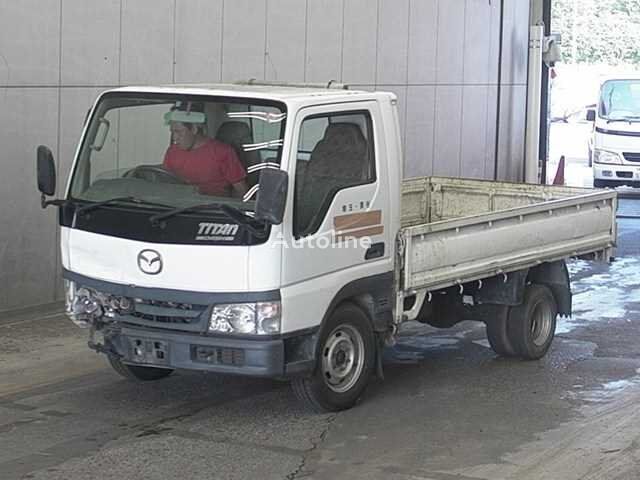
x: 234, y: 133
x: 345, y: 136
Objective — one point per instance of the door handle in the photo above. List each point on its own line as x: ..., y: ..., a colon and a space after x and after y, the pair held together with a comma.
x: 374, y: 251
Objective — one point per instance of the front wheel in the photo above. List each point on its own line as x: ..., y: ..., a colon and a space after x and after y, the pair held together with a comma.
x: 532, y: 325
x: 138, y: 373
x: 344, y: 363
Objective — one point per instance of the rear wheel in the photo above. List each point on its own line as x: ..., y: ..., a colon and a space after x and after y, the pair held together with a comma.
x: 497, y: 333
x: 532, y: 325
x: 138, y: 373
x: 345, y: 361
x: 599, y: 183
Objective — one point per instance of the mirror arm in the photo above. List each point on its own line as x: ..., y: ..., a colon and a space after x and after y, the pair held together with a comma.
x: 44, y: 203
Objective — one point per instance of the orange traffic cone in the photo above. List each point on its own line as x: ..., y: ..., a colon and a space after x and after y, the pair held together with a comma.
x: 559, y: 178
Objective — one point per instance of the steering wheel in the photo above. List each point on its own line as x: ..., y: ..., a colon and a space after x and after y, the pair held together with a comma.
x: 153, y: 173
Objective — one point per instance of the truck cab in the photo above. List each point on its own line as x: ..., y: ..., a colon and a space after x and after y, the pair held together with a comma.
x: 172, y: 277
x: 614, y: 148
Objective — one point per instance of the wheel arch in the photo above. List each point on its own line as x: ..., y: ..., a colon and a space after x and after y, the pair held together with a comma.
x: 371, y: 294
x: 555, y: 276
x: 509, y: 290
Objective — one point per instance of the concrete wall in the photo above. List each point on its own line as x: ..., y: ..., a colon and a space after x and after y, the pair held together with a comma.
x: 439, y: 56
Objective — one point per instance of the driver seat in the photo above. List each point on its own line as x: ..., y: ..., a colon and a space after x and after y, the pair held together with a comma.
x: 340, y: 160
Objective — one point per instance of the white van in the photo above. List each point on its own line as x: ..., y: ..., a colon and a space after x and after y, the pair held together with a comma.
x: 614, y: 149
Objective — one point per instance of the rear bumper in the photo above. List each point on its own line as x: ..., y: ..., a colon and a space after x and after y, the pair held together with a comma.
x: 273, y: 357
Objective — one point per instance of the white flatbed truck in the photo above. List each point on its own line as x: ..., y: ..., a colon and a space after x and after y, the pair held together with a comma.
x: 312, y: 272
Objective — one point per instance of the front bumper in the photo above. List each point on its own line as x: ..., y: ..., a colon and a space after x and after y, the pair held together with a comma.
x: 159, y: 333
x: 620, y: 174
x: 259, y: 358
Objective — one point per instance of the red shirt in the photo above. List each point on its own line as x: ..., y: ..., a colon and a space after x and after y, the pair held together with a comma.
x: 213, y: 167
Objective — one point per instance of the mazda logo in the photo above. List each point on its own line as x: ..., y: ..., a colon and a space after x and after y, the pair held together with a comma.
x: 150, y: 262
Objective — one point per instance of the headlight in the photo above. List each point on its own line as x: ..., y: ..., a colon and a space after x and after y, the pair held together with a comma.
x: 262, y: 318
x: 84, y: 305
x: 79, y: 304
x: 603, y: 156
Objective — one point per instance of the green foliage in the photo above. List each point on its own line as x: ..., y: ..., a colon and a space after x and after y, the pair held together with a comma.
x: 598, y: 31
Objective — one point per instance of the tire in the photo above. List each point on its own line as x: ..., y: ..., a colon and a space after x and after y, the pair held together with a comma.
x: 532, y: 325
x: 344, y: 364
x: 498, y: 335
x: 137, y: 373
x: 599, y: 183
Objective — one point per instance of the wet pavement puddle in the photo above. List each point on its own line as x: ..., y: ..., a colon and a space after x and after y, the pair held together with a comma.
x: 610, y: 292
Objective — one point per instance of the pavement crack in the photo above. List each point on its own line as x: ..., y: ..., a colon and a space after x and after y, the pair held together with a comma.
x: 55, y: 413
x: 314, y: 446
x: 231, y: 441
x: 17, y: 406
x: 9, y: 427
x: 153, y: 431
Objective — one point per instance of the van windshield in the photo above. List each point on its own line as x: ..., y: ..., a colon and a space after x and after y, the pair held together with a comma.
x: 178, y: 151
x: 620, y: 100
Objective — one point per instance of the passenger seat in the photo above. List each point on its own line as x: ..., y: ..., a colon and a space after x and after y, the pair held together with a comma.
x: 238, y: 134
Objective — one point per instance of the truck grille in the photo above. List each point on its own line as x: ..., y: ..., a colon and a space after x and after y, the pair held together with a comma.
x: 161, y: 318
x: 632, y: 157
x: 166, y: 314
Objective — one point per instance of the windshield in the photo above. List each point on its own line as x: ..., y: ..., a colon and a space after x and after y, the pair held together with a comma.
x: 620, y: 100
x: 178, y: 151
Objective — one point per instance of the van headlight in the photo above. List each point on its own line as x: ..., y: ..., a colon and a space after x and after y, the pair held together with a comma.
x: 261, y: 318
x: 604, y: 156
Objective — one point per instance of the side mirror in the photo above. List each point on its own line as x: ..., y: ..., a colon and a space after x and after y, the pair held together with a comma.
x: 591, y: 115
x: 46, y: 173
x: 272, y: 196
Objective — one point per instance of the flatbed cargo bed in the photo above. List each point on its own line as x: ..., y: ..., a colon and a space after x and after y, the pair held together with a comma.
x: 456, y: 231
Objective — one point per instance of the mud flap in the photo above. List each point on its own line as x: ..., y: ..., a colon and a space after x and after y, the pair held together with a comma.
x: 380, y: 343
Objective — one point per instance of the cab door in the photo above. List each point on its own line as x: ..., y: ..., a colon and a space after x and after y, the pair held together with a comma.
x: 337, y: 231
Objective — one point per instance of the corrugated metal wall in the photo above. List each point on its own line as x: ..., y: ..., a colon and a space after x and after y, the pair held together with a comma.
x: 439, y: 56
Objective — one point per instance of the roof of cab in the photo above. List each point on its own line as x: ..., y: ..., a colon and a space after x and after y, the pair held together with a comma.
x: 620, y: 77
x: 270, y: 92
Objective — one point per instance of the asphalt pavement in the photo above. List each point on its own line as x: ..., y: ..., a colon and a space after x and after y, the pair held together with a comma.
x: 449, y: 408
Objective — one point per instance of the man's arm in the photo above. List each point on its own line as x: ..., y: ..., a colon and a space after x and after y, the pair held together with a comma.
x: 235, y: 173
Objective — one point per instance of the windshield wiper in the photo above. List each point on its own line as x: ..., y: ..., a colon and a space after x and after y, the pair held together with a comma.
x: 93, y: 206
x: 231, y: 212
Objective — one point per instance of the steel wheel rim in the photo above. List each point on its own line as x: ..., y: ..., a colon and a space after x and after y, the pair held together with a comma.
x: 342, y: 358
x: 541, y: 322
